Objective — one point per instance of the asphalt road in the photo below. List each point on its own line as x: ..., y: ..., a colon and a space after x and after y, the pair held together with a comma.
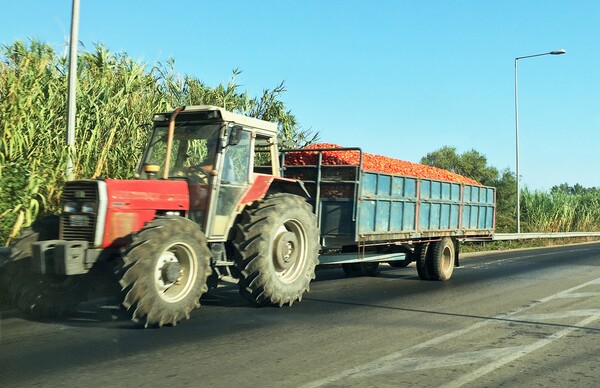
x: 528, y: 318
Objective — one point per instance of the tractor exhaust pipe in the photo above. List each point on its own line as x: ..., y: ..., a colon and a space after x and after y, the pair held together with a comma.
x: 170, y: 140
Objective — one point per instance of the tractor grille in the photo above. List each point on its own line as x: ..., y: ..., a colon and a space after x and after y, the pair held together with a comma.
x: 80, y: 211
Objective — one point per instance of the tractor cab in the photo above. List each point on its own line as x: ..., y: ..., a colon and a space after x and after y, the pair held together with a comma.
x: 214, y: 151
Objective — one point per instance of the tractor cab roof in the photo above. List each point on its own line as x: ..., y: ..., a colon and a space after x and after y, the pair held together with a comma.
x: 209, y: 112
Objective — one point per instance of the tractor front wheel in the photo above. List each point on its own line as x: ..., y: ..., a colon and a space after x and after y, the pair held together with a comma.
x: 164, y: 271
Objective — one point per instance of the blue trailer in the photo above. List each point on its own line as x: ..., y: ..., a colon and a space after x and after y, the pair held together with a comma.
x: 368, y: 217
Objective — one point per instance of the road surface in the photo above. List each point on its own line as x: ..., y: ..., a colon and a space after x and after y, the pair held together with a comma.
x: 526, y: 318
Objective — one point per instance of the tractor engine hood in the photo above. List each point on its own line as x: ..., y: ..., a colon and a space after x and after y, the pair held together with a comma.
x: 132, y: 203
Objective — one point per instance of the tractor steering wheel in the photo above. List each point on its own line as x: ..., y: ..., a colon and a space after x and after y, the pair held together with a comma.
x: 198, y: 173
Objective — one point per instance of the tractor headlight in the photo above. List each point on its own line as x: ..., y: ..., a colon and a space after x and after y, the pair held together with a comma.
x: 70, y: 207
x: 87, y: 207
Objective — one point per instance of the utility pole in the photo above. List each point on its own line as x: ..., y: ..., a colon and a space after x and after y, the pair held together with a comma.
x: 71, y: 108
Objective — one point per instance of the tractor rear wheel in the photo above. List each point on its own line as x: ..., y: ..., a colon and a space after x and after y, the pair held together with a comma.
x: 38, y: 295
x: 164, y: 271
x: 276, y: 249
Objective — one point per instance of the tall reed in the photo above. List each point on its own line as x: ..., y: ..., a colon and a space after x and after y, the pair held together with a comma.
x: 560, y: 212
x: 116, y: 97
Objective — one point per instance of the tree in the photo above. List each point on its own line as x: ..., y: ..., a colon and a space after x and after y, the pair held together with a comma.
x: 445, y: 157
x: 471, y: 164
x: 506, y: 201
x: 578, y: 189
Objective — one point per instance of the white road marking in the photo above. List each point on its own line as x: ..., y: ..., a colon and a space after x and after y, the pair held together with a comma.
x: 412, y: 364
x: 557, y: 315
x: 469, y: 377
x: 389, y: 362
x: 580, y: 295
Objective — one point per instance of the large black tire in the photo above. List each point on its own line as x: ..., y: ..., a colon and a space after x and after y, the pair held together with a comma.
x: 37, y: 295
x: 370, y: 268
x: 276, y: 250
x: 164, y: 271
x: 423, y: 263
x: 442, y: 254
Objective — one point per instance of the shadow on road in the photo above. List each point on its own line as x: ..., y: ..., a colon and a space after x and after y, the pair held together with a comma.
x: 506, y: 319
x: 104, y: 304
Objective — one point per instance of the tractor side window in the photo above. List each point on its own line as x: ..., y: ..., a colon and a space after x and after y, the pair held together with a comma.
x: 234, y: 182
x: 236, y: 161
x: 262, y: 155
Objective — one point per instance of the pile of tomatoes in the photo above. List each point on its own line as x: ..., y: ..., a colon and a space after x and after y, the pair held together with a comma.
x: 370, y: 162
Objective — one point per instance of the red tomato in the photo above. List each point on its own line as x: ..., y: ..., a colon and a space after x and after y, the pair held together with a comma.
x: 374, y: 163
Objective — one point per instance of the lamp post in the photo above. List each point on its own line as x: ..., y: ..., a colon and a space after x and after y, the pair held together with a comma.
x: 555, y: 52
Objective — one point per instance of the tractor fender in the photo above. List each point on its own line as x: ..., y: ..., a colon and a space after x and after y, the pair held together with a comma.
x: 267, y: 184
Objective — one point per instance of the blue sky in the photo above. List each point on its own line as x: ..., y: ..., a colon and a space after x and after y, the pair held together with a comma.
x: 397, y: 78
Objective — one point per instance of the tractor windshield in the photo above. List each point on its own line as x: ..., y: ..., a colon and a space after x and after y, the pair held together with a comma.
x: 193, y: 154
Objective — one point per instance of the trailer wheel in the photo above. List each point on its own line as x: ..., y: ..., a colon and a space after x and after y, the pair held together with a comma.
x: 399, y: 263
x: 37, y: 295
x: 361, y: 269
x: 424, y: 268
x: 408, y: 256
x: 164, y: 271
x: 276, y: 249
x: 442, y: 259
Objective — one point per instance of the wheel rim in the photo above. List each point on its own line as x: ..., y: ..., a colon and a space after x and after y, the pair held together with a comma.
x: 289, y: 251
x: 175, y: 272
x: 447, y: 260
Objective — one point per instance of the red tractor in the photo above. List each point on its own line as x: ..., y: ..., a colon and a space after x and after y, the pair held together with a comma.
x: 208, y: 204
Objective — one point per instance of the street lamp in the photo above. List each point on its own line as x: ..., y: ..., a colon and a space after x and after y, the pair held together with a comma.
x: 555, y: 52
